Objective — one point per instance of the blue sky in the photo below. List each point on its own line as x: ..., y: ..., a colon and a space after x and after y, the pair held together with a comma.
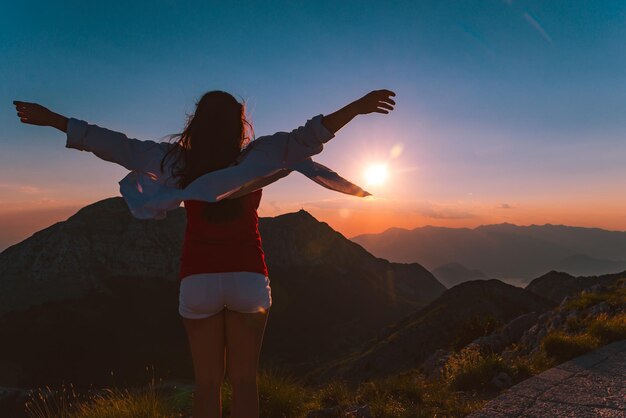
x: 500, y: 103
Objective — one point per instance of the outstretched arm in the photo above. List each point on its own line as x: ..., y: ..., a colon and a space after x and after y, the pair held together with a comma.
x: 286, y: 148
x: 106, y: 144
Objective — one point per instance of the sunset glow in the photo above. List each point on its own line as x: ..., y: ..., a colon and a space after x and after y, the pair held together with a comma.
x: 376, y: 174
x: 505, y: 109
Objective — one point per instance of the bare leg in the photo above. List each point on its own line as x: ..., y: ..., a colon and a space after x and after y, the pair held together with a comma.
x: 244, y: 336
x: 207, y: 342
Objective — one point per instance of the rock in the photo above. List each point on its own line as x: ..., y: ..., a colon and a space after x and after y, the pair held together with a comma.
x: 598, y: 288
x: 542, y: 333
x: 509, y: 334
x: 601, y: 307
x: 509, y: 355
x: 358, y: 412
x: 502, y: 381
x: 433, y: 365
x: 516, y: 328
x: 544, y: 317
x: 12, y: 401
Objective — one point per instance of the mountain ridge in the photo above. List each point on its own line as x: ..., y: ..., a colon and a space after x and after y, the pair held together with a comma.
x: 505, y: 251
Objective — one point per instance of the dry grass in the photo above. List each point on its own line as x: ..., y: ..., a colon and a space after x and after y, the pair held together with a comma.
x: 108, y: 403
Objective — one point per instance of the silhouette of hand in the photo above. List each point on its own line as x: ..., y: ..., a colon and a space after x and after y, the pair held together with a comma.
x: 378, y: 101
x: 36, y: 114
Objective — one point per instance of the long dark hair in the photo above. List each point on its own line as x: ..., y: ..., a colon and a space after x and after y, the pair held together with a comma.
x: 213, y: 138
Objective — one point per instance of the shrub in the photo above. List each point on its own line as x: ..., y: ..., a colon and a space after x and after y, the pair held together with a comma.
x: 470, y: 370
x: 563, y: 347
x: 575, y: 324
x: 334, y: 393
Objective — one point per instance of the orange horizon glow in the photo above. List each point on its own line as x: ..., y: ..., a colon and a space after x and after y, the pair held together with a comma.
x: 354, y: 216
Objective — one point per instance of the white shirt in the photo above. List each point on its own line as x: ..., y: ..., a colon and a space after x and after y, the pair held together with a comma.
x: 150, y: 193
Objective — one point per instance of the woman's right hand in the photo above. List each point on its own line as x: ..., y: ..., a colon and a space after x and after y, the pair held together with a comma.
x: 36, y: 114
x: 378, y: 101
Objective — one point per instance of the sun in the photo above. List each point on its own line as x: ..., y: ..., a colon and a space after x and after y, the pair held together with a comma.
x: 376, y: 174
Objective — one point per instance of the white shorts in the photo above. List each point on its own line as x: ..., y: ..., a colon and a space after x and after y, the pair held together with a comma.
x: 205, y: 294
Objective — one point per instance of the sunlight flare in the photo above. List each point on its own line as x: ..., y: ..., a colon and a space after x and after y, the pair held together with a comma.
x: 376, y: 174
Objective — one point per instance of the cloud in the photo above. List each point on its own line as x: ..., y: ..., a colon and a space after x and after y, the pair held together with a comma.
x: 504, y: 206
x: 435, y: 211
x: 19, y: 188
x: 537, y: 26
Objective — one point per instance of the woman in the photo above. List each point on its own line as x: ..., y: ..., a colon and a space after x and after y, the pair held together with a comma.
x: 225, y: 294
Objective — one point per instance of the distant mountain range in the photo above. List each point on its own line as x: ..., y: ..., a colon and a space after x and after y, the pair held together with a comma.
x: 98, y: 293
x: 504, y: 251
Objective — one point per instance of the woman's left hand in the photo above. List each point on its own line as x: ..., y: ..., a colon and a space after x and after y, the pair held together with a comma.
x: 36, y: 114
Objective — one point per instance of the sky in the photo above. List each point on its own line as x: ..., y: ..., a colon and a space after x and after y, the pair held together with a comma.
x: 507, y: 110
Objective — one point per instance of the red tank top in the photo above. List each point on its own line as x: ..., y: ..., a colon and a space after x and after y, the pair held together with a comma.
x: 214, y: 247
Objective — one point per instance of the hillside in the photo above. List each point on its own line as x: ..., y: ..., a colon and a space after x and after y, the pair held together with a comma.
x: 457, y: 317
x: 505, y: 250
x: 557, y: 285
x: 103, y: 285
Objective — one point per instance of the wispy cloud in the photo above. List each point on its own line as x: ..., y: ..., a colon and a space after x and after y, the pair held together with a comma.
x: 18, y: 188
x: 504, y: 206
x: 434, y: 211
x: 537, y: 26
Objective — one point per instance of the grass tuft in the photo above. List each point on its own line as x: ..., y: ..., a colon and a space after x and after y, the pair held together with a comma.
x: 469, y: 369
x: 282, y: 395
x: 608, y: 329
x: 563, y: 347
x: 108, y: 403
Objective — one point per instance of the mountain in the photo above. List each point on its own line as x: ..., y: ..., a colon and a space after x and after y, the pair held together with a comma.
x: 452, y: 274
x: 460, y: 315
x: 504, y: 250
x: 557, y: 285
x: 584, y: 265
x: 98, y: 293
